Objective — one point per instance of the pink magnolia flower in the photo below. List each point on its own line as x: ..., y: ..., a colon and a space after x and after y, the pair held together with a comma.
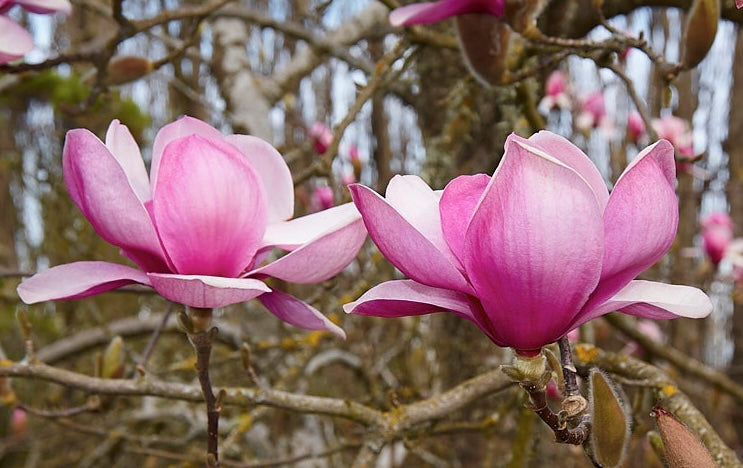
x: 201, y: 225
x: 717, y: 234
x: 556, y: 95
x: 322, y: 197
x: 534, y: 251
x: 739, y: 4
x: 15, y: 41
x: 635, y: 127
x: 321, y: 137
x: 433, y: 12
x: 677, y: 131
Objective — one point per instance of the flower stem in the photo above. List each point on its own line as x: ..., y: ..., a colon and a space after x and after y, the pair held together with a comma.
x: 201, y: 337
x: 568, y: 368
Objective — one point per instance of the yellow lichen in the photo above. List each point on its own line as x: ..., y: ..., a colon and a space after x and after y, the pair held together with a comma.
x: 245, y: 422
x: 669, y: 390
x: 586, y: 353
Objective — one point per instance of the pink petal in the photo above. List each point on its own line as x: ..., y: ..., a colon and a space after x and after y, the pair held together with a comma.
x: 46, y: 6
x: 298, y: 313
x: 209, y: 206
x: 78, y: 280
x: 15, y: 42
x: 640, y: 220
x: 206, y: 291
x: 653, y: 300
x: 122, y: 146
x: 185, y: 126
x: 403, y: 245
x: 534, y: 246
x: 319, y: 259
x: 414, y: 200
x: 273, y: 171
x: 99, y: 186
x: 432, y: 12
x: 570, y: 155
x: 403, y: 298
x: 457, y: 206
x: 292, y: 234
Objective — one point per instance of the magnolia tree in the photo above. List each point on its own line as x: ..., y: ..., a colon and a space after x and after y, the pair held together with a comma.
x: 172, y: 173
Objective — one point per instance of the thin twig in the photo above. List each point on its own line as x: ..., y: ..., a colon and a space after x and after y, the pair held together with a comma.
x: 92, y: 404
x: 201, y: 337
x: 155, y: 336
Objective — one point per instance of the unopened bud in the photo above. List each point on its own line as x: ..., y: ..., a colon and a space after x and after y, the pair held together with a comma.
x: 112, y: 363
x: 18, y: 421
x: 610, y: 433
x: 682, y: 448
x: 125, y: 69
x: 699, y: 31
x: 489, y: 47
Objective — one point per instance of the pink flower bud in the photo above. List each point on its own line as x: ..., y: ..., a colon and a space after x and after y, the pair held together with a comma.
x: 717, y: 233
x: 348, y: 178
x: 678, y: 132
x: 321, y: 137
x: 18, y: 422
x: 593, y: 112
x: 635, y: 127
x: 555, y: 84
x: 322, y: 198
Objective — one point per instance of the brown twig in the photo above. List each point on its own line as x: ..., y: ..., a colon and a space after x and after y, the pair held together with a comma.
x: 201, y: 336
x: 92, y: 404
x: 563, y: 434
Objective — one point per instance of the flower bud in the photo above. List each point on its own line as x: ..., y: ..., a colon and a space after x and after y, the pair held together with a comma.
x: 125, y: 69
x: 18, y: 422
x: 682, y: 448
x: 489, y: 46
x: 699, y: 31
x: 611, y: 426
x: 112, y: 364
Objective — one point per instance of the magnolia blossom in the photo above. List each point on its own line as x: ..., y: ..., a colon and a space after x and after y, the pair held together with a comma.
x: 677, y: 131
x: 322, y: 197
x: 635, y: 127
x: 200, y: 227
x: 534, y: 251
x: 15, y: 41
x: 717, y: 234
x: 321, y: 137
x: 556, y: 95
x: 433, y: 12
